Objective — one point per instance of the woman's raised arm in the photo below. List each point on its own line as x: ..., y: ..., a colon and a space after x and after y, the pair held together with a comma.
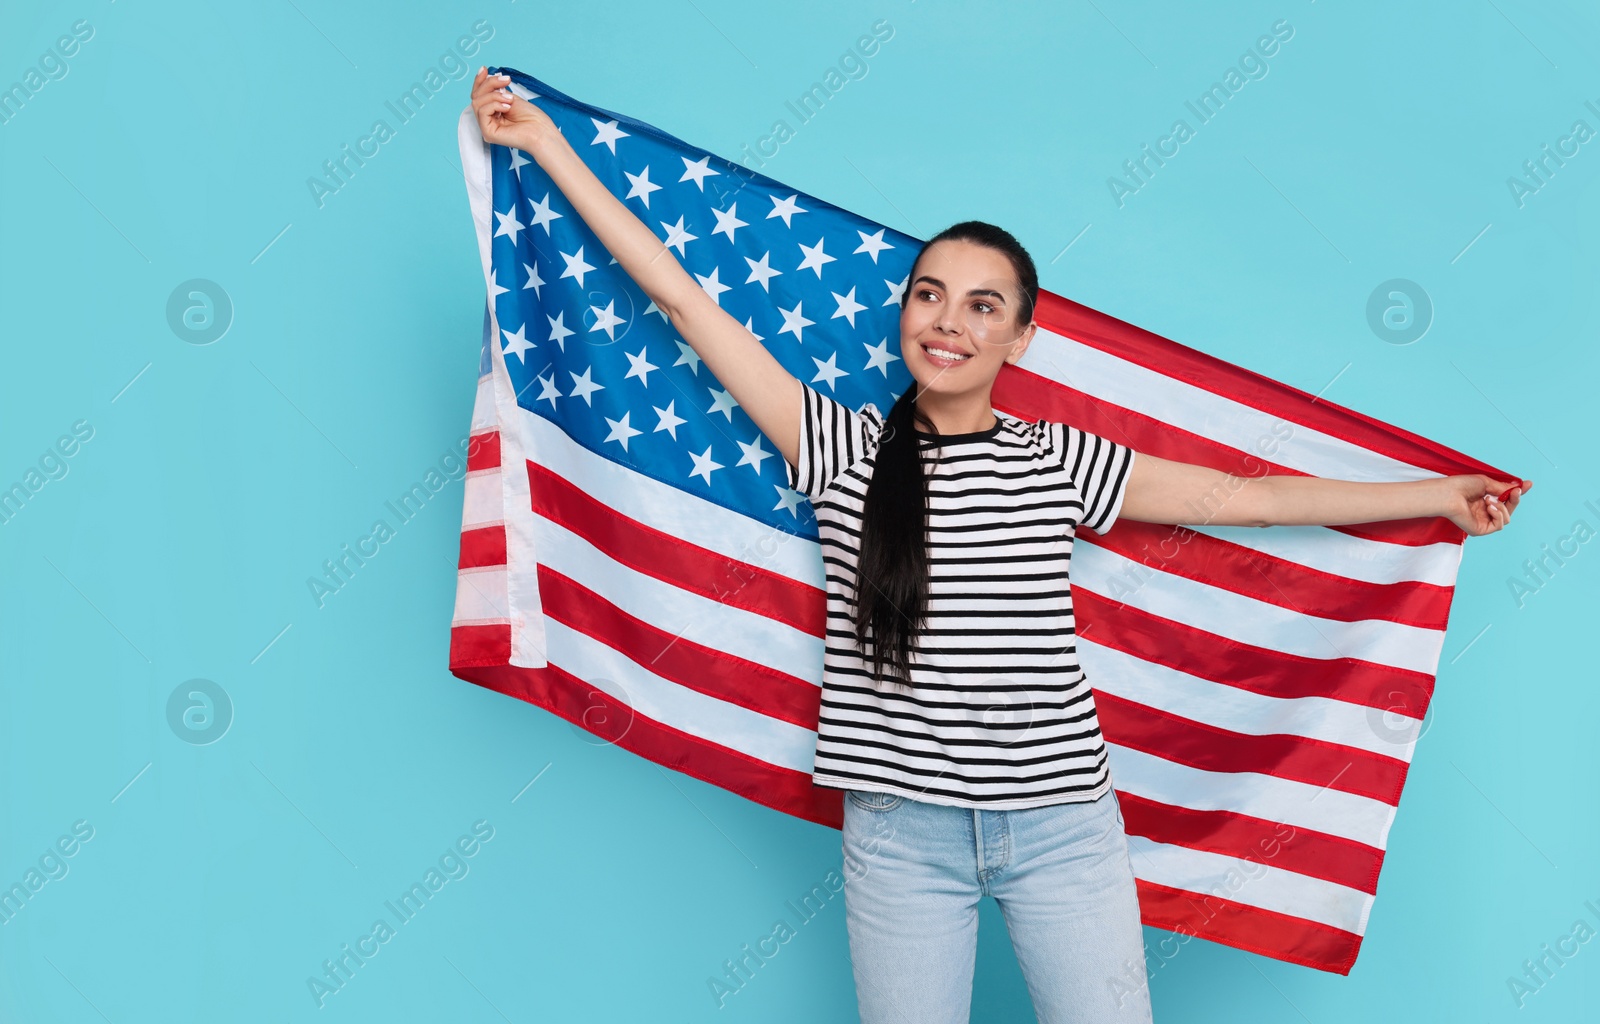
x: 1164, y: 491
x: 765, y: 390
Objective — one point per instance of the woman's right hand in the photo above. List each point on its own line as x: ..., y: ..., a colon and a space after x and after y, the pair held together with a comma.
x: 507, y: 119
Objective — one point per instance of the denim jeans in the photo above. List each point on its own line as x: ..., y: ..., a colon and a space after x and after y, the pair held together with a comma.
x: 915, y: 871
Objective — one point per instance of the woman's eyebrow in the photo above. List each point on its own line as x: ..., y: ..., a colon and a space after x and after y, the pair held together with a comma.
x: 974, y: 291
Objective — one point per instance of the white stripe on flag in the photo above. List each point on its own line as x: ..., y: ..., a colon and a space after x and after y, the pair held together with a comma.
x: 678, y: 612
x: 1250, y: 621
x: 1207, y: 414
x: 1255, y: 883
x: 483, y: 503
x: 1339, y: 554
x: 670, y: 510
x: 483, y: 417
x: 1262, y: 796
x: 481, y: 596
x: 689, y: 711
x: 1228, y: 707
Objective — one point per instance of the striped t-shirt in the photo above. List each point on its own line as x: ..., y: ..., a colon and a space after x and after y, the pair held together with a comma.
x: 1000, y: 714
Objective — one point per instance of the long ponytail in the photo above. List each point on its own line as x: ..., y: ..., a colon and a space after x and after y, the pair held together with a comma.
x: 892, y: 570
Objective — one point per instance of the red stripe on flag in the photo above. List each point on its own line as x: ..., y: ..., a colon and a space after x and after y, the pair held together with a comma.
x: 477, y: 646
x: 693, y: 666
x: 1280, y: 936
x: 1031, y: 397
x: 671, y: 560
x: 1299, y: 758
x: 482, y: 547
x: 1231, y: 834
x: 575, y: 700
x: 1180, y: 362
x: 483, y: 452
x: 1230, y: 662
x: 1277, y: 581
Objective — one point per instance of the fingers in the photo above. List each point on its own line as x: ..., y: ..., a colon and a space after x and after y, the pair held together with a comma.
x: 491, y: 91
x: 1499, y: 512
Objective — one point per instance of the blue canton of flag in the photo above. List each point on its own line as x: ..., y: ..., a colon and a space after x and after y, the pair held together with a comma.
x: 820, y: 287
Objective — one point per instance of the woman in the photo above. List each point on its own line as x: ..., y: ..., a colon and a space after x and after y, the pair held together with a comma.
x: 954, y: 712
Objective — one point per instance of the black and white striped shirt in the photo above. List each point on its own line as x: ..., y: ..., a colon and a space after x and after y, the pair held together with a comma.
x: 1000, y: 714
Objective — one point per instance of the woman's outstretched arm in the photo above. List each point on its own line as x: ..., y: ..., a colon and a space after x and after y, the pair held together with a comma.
x: 765, y: 390
x: 1164, y: 491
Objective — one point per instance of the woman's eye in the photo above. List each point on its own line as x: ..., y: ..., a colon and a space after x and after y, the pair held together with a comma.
x: 984, y: 307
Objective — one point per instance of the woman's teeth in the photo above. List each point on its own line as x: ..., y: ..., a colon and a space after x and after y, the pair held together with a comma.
x: 939, y: 355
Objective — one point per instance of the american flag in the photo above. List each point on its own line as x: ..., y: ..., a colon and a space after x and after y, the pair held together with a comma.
x: 633, y: 561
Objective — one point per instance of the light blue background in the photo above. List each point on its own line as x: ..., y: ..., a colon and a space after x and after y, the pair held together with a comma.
x: 179, y: 543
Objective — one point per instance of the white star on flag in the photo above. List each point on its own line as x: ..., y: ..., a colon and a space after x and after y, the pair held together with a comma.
x: 606, y: 319
x: 794, y: 321
x: 677, y: 237
x: 620, y: 431
x: 872, y: 244
x: 642, y: 186
x: 729, y: 222
x: 722, y: 402
x: 704, y: 466
x: 510, y: 227
x: 712, y: 286
x: 688, y: 356
x: 786, y: 209
x: 576, y: 267
x: 670, y: 421
x: 558, y: 330
x: 848, y: 306
x: 753, y: 453
x: 815, y: 257
x: 639, y: 366
x: 789, y: 500
x: 548, y: 391
x: 761, y: 271
x: 534, y: 280
x: 584, y: 386
x: 698, y: 171
x: 543, y: 213
x: 608, y: 133
x: 516, y: 342
x: 829, y: 371
x: 879, y: 357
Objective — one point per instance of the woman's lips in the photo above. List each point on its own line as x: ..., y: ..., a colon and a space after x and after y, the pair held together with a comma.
x: 944, y: 357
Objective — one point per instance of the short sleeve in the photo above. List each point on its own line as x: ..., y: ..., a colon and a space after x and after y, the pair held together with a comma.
x: 1100, y: 469
x: 832, y: 438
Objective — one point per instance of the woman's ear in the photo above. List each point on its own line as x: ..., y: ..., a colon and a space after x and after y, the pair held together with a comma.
x: 1020, y: 346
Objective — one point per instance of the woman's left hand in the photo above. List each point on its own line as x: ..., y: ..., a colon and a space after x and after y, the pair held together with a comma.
x: 1475, y: 503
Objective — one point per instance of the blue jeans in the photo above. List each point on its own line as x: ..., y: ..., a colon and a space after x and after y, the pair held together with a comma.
x: 915, y: 871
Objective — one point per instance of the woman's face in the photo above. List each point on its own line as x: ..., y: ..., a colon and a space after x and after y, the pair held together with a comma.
x: 959, y: 318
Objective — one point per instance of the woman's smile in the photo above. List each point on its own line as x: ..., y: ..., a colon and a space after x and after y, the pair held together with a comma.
x: 944, y: 357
